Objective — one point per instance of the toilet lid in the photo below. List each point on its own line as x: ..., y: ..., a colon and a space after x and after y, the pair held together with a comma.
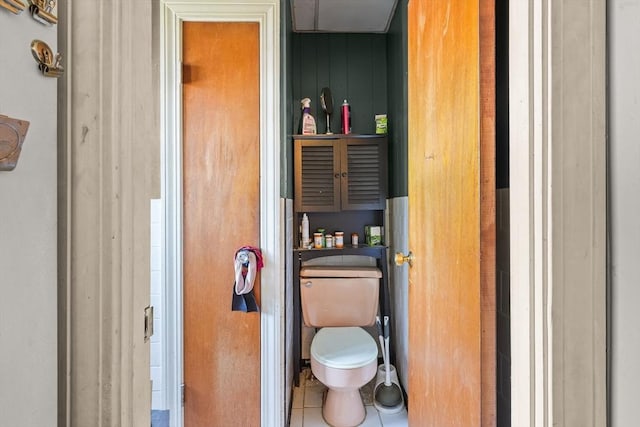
x: 344, y: 347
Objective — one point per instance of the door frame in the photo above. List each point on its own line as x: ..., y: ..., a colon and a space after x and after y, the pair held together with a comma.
x: 550, y: 160
x: 267, y: 14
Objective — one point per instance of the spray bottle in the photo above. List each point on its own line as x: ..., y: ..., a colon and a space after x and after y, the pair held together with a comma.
x: 345, y: 116
x: 308, y: 122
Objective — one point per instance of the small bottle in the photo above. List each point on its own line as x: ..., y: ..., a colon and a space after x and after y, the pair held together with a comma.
x: 317, y: 240
x: 354, y: 239
x: 321, y: 231
x: 339, y: 239
x: 329, y: 240
x: 345, y: 115
x: 305, y: 231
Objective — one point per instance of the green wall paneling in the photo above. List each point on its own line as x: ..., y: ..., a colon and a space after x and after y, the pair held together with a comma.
x: 397, y: 96
x: 287, y: 107
x: 353, y: 66
x: 369, y: 70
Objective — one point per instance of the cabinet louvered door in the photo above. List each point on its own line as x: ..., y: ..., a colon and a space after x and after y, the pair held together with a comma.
x: 317, y: 187
x: 364, y: 172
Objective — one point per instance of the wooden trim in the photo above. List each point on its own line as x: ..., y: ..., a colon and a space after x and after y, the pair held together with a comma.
x: 110, y: 154
x: 557, y: 220
x: 488, y: 212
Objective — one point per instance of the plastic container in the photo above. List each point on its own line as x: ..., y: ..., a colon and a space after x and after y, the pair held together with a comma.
x: 328, y: 240
x: 317, y: 240
x: 345, y: 116
x: 305, y: 231
x: 339, y: 239
x: 322, y: 231
x: 354, y: 239
x: 308, y: 126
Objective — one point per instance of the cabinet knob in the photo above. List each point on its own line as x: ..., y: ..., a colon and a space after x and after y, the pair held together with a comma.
x: 402, y: 258
x: 344, y: 174
x: 337, y: 175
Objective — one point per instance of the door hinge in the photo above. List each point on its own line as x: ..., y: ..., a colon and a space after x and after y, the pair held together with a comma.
x: 186, y: 73
x: 148, y: 323
x: 182, y: 393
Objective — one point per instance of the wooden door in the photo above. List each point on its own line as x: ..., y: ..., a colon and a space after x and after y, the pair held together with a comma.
x: 221, y: 150
x: 451, y: 213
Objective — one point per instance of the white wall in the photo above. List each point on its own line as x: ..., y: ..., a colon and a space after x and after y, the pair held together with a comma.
x: 624, y: 140
x: 28, y: 221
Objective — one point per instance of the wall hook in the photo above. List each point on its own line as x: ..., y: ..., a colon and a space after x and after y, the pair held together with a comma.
x: 42, y: 11
x: 47, y: 62
x: 15, y: 6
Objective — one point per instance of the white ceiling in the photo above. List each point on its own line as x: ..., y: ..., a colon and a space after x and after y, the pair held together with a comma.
x: 342, y: 16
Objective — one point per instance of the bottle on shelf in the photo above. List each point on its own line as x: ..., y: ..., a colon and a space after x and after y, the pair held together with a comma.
x: 305, y: 231
x: 345, y: 116
x: 308, y: 123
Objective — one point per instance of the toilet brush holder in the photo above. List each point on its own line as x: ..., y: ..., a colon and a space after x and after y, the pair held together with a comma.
x: 380, y: 377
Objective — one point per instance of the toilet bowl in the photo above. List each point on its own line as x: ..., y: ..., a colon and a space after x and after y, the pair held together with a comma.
x: 344, y: 359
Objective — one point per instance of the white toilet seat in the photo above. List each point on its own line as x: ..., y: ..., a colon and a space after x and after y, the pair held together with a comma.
x: 344, y: 347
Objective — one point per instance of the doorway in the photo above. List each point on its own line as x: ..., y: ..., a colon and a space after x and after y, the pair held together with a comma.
x: 390, y: 55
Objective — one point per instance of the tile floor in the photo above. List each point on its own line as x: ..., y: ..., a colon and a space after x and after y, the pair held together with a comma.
x: 307, y: 406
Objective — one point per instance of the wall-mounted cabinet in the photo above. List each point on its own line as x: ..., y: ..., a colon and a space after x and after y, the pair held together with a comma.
x: 340, y: 172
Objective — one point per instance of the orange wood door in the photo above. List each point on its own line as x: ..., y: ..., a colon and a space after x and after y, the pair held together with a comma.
x: 221, y: 168
x: 451, y: 213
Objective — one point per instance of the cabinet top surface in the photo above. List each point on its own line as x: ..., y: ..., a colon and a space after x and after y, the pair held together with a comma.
x: 340, y: 136
x: 347, y: 248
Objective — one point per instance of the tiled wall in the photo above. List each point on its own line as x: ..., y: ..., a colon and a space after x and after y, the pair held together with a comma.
x: 399, y: 283
x: 503, y: 383
x: 158, y: 371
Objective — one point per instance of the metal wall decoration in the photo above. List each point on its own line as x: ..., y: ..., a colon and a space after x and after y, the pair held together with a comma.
x: 15, y: 6
x: 12, y: 133
x: 48, y: 63
x: 42, y: 11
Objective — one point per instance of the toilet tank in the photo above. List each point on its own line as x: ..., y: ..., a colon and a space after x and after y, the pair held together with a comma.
x: 339, y: 295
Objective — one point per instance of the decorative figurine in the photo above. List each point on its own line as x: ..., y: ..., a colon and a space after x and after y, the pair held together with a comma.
x: 15, y: 6
x: 42, y: 11
x: 12, y: 133
x: 47, y: 62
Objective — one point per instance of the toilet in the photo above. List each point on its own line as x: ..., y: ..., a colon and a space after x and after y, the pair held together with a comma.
x: 344, y: 357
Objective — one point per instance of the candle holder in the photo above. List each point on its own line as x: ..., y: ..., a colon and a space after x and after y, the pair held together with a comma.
x: 42, y: 11
x: 48, y: 63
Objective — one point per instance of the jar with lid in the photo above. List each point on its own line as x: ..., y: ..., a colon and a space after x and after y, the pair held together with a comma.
x: 339, y: 239
x: 328, y: 241
x: 354, y: 239
x: 322, y: 231
x: 317, y: 240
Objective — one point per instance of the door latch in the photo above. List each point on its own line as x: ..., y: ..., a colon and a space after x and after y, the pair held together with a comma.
x: 148, y: 323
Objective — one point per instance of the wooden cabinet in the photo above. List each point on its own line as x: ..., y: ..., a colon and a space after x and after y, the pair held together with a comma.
x: 340, y: 172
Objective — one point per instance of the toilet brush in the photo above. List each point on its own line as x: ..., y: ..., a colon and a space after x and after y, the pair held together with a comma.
x: 381, y: 339
x: 387, y: 394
